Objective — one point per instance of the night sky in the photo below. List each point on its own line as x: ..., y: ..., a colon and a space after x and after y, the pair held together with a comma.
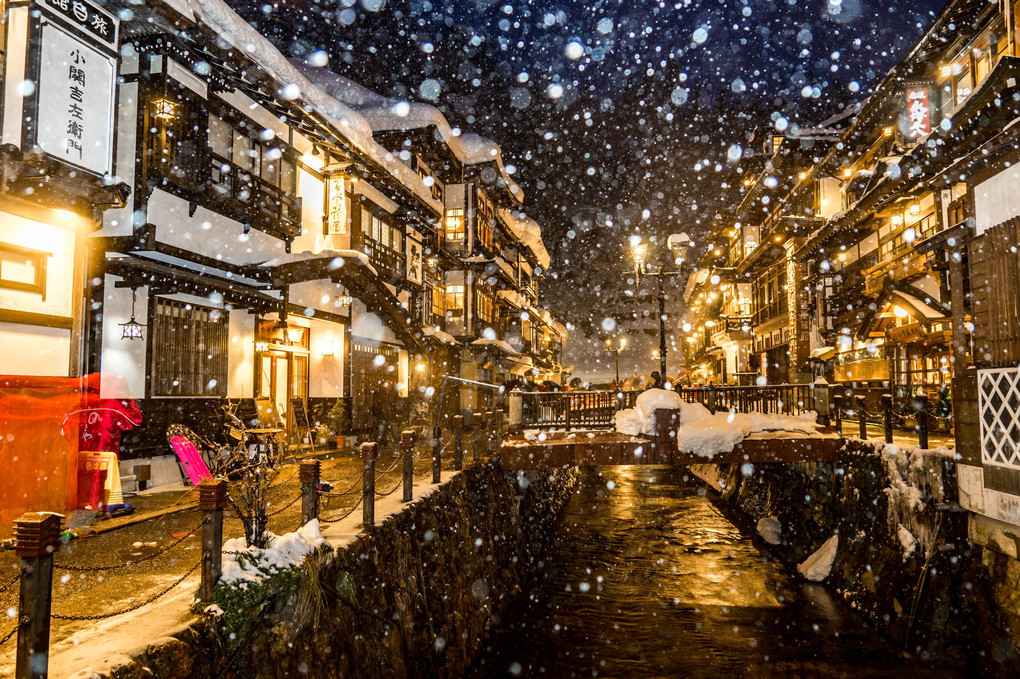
x: 619, y: 116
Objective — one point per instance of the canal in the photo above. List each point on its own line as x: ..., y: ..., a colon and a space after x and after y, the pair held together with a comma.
x: 649, y: 578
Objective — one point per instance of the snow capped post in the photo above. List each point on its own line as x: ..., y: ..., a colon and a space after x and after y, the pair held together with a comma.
x: 308, y: 475
x: 407, y: 443
x: 458, y: 443
x: 368, y: 452
x: 212, y: 498
x: 36, y: 540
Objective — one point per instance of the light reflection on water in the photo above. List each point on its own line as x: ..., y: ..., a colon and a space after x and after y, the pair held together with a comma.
x: 648, y: 578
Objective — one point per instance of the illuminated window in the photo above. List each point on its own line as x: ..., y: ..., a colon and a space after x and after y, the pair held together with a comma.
x: 23, y: 269
x: 484, y: 308
x: 454, y: 224
x: 455, y: 300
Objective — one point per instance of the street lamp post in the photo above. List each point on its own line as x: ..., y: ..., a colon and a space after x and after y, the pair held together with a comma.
x: 619, y: 347
x: 679, y: 244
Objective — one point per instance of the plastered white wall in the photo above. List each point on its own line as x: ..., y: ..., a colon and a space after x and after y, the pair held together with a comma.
x: 241, y: 355
x: 34, y: 350
x: 997, y: 199
x: 123, y: 361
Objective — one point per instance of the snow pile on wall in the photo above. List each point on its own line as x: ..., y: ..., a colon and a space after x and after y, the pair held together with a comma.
x: 710, y: 434
x: 641, y: 418
x: 243, y: 564
x: 699, y: 431
x: 915, y: 482
x: 817, y: 566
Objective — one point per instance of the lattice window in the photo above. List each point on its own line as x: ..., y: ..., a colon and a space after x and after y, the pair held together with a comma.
x: 999, y: 409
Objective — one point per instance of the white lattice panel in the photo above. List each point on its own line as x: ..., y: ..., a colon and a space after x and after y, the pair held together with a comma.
x: 999, y: 414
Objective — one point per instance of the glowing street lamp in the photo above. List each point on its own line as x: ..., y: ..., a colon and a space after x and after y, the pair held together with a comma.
x: 620, y: 346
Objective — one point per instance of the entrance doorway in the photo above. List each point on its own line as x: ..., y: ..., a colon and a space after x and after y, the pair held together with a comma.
x: 282, y: 362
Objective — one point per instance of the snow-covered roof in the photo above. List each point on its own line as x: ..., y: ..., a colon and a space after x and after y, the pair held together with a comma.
x: 498, y: 343
x: 294, y: 84
x: 513, y: 297
x: 440, y: 335
x: 385, y: 114
x: 529, y: 233
x: 561, y: 330
x: 337, y: 255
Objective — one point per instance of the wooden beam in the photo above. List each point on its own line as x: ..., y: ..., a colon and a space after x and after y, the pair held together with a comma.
x: 32, y: 318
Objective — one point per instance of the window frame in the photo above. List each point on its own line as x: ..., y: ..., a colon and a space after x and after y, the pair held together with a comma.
x: 37, y: 257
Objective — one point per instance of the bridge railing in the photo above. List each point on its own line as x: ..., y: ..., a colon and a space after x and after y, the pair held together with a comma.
x: 556, y: 410
x: 779, y: 399
x: 596, y: 409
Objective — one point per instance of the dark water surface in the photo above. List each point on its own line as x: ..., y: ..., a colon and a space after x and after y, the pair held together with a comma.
x: 648, y: 579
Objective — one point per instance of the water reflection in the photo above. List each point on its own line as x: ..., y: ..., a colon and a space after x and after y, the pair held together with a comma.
x: 648, y: 578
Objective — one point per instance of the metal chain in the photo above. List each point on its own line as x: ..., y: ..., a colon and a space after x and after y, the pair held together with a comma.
x: 9, y: 635
x: 349, y: 491
x: 341, y: 518
x: 285, y: 507
x: 10, y: 582
x: 129, y: 609
x: 390, y: 491
x: 126, y: 564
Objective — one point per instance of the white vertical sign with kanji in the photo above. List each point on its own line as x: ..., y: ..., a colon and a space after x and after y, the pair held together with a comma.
x: 918, y: 113
x: 75, y: 101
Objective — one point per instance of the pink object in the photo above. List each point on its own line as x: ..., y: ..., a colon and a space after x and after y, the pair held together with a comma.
x: 191, y: 459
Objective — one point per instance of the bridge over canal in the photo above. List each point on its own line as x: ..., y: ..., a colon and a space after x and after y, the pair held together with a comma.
x: 578, y: 430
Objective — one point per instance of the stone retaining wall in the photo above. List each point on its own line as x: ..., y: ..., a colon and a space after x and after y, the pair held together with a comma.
x: 412, y: 598
x: 947, y: 599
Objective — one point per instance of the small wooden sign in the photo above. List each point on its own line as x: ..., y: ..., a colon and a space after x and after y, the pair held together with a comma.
x: 297, y: 407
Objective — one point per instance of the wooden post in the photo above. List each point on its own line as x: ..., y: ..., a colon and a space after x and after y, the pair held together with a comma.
x: 407, y: 443
x: 476, y: 420
x: 711, y: 398
x: 488, y: 421
x: 308, y: 475
x: 437, y: 454
x: 862, y: 416
x: 212, y: 499
x: 458, y: 442
x: 837, y: 411
x: 921, y: 407
x: 887, y: 416
x: 567, y: 413
x: 368, y: 451
x: 36, y: 540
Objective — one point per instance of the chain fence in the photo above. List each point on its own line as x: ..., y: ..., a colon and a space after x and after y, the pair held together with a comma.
x: 8, y: 635
x: 338, y: 519
x: 129, y: 609
x: 127, y: 564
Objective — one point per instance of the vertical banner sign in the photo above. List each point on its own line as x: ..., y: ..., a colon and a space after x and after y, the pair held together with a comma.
x: 414, y: 257
x: 918, y: 112
x: 336, y: 206
x: 76, y: 82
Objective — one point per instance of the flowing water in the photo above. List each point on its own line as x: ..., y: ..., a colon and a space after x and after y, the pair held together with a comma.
x: 647, y: 578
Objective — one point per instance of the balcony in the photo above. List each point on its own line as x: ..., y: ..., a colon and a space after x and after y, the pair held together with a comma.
x: 383, y: 258
x: 252, y: 200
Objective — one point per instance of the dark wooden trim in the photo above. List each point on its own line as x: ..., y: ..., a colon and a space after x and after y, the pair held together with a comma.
x: 32, y: 318
x: 299, y: 310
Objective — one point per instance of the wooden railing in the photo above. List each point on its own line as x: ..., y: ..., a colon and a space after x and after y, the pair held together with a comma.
x: 783, y: 399
x: 556, y: 409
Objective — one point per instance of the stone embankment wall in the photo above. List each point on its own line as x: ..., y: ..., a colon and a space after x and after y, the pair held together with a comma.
x: 413, y: 597
x: 904, y: 561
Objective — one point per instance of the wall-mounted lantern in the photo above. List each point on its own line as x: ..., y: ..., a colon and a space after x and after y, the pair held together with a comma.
x: 132, y: 330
